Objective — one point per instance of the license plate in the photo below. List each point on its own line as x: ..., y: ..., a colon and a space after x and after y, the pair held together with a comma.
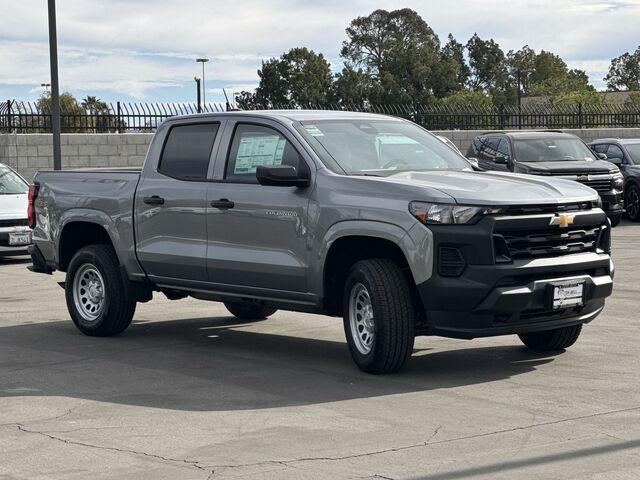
x: 566, y: 296
x: 16, y: 239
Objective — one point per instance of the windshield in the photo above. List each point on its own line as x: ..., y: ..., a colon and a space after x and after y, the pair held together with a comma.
x: 634, y: 152
x: 379, y: 147
x: 551, y: 150
x: 10, y: 183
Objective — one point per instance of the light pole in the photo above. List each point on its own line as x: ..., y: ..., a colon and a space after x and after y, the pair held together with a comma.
x: 55, y: 90
x: 197, y: 80
x: 203, y: 60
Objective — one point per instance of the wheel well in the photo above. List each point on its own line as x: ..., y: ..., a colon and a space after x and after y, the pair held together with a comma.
x: 345, y: 252
x: 77, y: 235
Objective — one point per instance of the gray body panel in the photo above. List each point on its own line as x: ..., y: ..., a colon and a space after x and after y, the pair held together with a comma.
x: 274, y: 243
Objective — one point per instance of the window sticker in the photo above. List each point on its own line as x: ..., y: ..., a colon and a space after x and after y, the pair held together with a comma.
x: 258, y: 150
x: 313, y: 130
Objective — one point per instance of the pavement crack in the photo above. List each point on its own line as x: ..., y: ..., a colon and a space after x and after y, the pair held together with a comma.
x: 180, y: 461
x: 426, y: 443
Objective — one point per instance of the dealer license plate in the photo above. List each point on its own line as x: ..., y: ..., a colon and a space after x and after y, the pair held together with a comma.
x: 567, y: 296
x: 16, y: 239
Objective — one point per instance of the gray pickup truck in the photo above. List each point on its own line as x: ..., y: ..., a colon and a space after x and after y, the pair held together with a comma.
x: 363, y: 216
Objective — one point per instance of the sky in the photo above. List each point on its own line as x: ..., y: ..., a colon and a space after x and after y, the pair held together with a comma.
x: 145, y: 51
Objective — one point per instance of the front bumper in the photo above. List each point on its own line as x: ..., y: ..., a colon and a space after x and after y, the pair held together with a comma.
x: 491, y: 296
x: 612, y: 203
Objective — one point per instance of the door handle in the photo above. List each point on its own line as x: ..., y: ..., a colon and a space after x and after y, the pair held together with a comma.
x: 154, y: 200
x: 222, y: 204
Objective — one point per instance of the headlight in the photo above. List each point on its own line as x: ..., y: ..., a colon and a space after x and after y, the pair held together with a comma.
x: 442, y: 213
x: 617, y: 182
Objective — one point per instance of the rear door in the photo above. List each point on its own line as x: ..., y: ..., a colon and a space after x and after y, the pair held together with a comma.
x: 171, y: 204
x: 258, y: 234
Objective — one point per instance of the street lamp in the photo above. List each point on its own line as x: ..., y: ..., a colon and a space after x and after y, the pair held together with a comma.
x: 45, y: 86
x: 203, y: 60
x: 55, y: 89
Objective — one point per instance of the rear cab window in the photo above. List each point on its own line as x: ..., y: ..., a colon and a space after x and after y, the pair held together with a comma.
x: 187, y: 151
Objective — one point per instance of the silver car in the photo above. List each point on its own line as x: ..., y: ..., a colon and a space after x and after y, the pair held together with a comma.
x: 15, y: 234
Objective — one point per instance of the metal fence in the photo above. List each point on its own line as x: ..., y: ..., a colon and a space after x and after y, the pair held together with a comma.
x: 27, y: 117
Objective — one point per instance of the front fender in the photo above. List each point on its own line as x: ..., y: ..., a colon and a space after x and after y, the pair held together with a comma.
x: 416, y: 247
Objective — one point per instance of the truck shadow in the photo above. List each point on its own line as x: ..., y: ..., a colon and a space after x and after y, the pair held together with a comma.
x: 207, y: 364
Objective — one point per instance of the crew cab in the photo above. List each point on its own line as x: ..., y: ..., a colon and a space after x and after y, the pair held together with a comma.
x: 363, y: 216
x: 552, y: 153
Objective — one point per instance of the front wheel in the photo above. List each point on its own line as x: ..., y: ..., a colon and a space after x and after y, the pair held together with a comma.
x: 552, y: 340
x: 378, y: 316
x: 615, y: 221
x: 96, y: 293
x: 632, y: 202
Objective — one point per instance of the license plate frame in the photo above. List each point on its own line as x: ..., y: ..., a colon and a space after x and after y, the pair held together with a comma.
x: 19, y: 239
x: 567, y: 295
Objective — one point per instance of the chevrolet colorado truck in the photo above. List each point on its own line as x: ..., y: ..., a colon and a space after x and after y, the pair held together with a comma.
x: 363, y: 216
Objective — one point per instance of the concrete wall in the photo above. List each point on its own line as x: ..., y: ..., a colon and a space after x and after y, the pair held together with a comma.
x: 29, y: 153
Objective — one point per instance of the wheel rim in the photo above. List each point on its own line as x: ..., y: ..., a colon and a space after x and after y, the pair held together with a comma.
x: 361, y: 318
x: 632, y: 203
x: 88, y: 292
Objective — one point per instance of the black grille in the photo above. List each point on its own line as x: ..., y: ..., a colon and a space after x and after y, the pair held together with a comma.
x: 600, y: 185
x: 13, y: 223
x: 550, y: 241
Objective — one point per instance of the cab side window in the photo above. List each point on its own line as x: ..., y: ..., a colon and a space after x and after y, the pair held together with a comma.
x: 503, y: 148
x: 490, y: 147
x: 255, y: 145
x: 602, y: 148
x: 614, y: 151
x: 187, y: 150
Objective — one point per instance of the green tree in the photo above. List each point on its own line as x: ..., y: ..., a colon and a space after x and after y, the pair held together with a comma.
x: 299, y: 77
x: 451, y: 73
x: 486, y: 63
x: 521, y: 62
x: 624, y: 72
x: 470, y: 100
x: 95, y: 105
x: 352, y: 87
x: 71, y: 112
x: 398, y: 49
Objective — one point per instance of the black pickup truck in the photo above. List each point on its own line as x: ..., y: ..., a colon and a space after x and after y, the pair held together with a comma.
x: 552, y: 153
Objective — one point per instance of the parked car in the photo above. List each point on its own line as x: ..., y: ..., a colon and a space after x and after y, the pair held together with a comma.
x: 363, y: 216
x: 552, y: 153
x: 625, y: 154
x: 15, y: 235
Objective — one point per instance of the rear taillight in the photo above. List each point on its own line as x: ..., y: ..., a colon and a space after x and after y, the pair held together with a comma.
x: 31, y: 213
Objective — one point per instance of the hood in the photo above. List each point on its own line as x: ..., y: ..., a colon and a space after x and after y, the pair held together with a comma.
x: 570, y: 166
x: 13, y: 206
x: 497, y: 188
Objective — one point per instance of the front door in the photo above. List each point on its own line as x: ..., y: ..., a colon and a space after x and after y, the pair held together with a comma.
x: 258, y: 234
x: 171, y: 205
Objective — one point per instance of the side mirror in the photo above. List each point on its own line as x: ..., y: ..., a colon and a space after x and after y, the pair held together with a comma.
x: 282, y: 176
x: 474, y: 162
x: 602, y: 156
x: 501, y: 160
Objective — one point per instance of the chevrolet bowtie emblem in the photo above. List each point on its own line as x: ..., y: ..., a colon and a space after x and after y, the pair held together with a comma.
x: 562, y: 220
x: 583, y: 178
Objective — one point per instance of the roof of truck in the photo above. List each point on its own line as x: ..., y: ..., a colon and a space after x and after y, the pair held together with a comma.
x: 528, y: 135
x: 294, y: 115
x: 623, y: 141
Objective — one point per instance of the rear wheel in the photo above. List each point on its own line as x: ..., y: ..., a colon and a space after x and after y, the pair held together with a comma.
x: 378, y: 316
x: 552, y: 340
x: 249, y: 311
x: 96, y: 294
x: 632, y: 203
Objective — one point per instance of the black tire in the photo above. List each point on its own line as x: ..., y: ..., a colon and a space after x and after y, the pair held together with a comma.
x: 552, y: 340
x: 118, y: 308
x: 615, y: 221
x: 393, y: 315
x: 632, y: 202
x: 249, y: 311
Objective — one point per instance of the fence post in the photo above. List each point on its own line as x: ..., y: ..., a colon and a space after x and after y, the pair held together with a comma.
x: 580, y: 123
x: 501, y: 121
x: 118, y: 117
x: 9, y: 117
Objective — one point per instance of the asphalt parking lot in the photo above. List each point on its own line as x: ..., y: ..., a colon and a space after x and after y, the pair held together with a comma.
x: 189, y: 392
